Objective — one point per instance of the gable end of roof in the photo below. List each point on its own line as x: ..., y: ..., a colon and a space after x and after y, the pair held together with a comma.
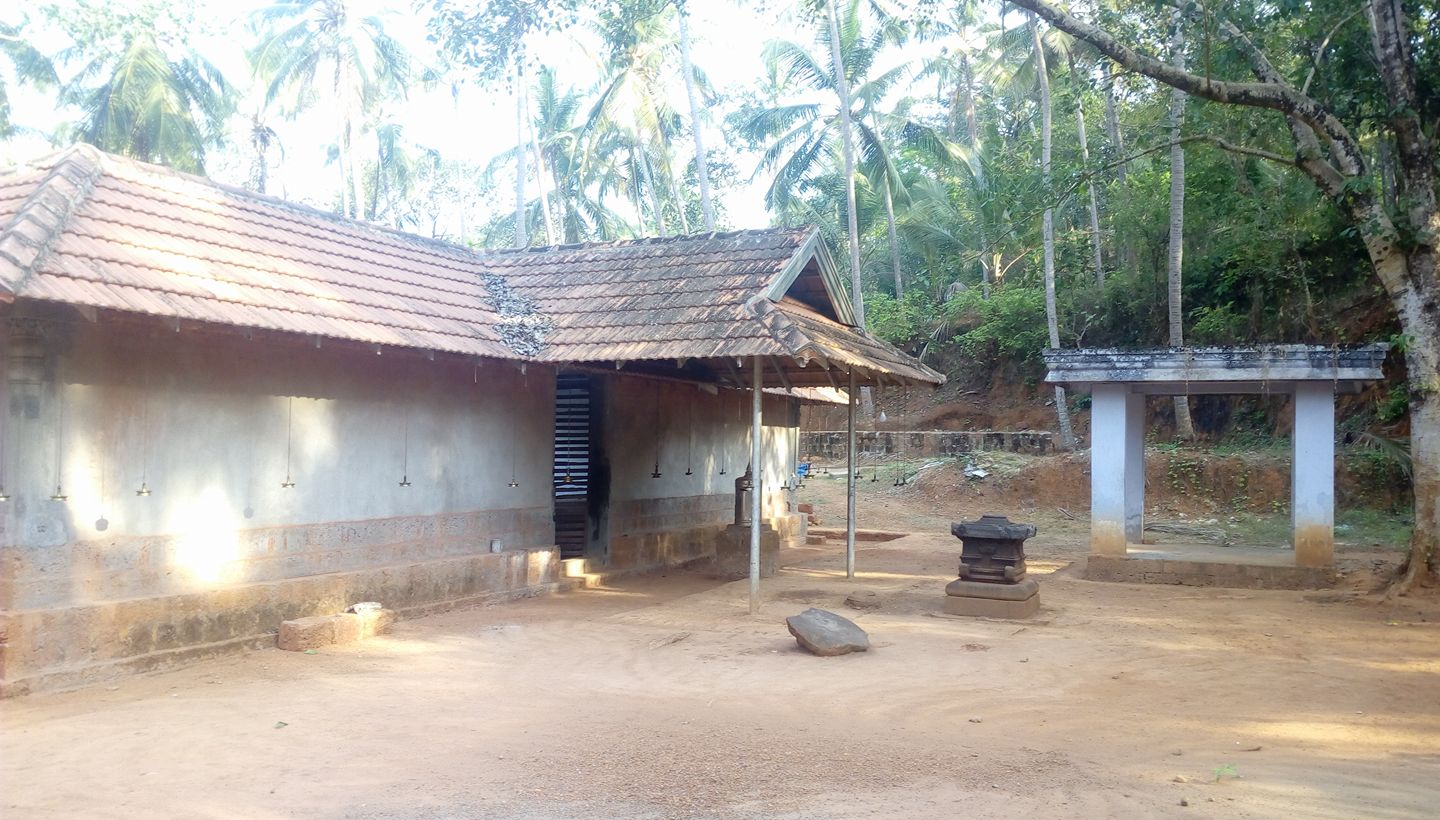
x: 39, y: 222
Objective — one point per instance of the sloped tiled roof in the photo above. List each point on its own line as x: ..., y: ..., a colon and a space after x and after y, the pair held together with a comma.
x: 654, y: 298
x: 105, y: 232
x: 100, y: 231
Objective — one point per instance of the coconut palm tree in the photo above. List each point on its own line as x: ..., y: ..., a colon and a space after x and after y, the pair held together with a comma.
x: 309, y: 49
x: 29, y: 66
x: 141, y: 96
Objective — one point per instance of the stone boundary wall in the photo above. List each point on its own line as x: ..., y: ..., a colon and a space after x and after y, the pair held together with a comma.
x: 76, y: 645
x: 829, y: 445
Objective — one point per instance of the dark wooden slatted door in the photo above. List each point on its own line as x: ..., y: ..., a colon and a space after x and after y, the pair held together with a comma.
x: 571, y: 477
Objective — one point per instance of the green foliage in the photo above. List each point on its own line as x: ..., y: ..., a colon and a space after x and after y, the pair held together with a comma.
x: 139, y: 88
x: 1010, y: 324
x: 902, y: 322
x: 1395, y: 404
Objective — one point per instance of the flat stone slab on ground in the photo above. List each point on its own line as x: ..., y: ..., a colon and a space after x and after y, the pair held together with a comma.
x: 992, y: 608
x: 821, y: 632
x: 1022, y: 591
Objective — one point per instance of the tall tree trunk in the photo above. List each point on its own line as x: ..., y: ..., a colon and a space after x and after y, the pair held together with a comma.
x: 1112, y: 123
x: 343, y: 162
x: 551, y: 235
x: 894, y: 241
x: 357, y: 188
x: 972, y: 130
x: 655, y: 204
x: 674, y: 183
x: 1085, y: 167
x: 522, y: 233
x: 847, y: 145
x: 1175, y: 268
x: 1124, y: 255
x: 702, y: 162
x: 1052, y: 319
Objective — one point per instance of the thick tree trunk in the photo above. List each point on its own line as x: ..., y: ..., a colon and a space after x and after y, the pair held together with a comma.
x: 1417, y: 302
x: 1052, y: 319
x: 702, y: 163
x: 1423, y: 564
x: 1085, y: 166
x: 1176, y: 257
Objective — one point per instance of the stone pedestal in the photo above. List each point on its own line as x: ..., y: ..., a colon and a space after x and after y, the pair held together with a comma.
x: 732, y: 552
x: 987, y: 600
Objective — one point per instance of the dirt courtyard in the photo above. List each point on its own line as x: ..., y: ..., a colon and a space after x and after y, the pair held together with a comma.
x: 662, y: 697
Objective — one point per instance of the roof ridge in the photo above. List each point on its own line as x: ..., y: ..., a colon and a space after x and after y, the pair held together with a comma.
x: 278, y: 202
x: 37, y: 224
x: 645, y: 240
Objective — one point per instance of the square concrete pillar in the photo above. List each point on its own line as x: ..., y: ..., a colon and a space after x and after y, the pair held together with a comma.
x: 1135, y: 468
x: 1112, y: 456
x: 1312, y: 480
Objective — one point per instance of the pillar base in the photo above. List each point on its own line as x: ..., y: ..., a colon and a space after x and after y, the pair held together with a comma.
x: 982, y: 600
x: 732, y: 552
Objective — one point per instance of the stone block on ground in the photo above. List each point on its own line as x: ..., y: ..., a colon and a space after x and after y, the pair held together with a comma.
x: 306, y: 633
x: 318, y: 631
x: 991, y: 608
x: 988, y: 600
x: 732, y: 553
x: 863, y: 599
x: 821, y: 632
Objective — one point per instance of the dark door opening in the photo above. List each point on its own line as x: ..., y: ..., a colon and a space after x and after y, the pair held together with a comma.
x: 571, y: 476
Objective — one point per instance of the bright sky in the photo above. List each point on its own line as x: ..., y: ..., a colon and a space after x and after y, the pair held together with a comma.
x: 727, y: 36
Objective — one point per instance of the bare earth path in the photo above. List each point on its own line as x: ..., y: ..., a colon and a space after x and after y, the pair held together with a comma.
x: 661, y: 697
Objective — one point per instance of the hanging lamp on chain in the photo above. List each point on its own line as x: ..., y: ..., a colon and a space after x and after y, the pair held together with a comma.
x: 656, y: 472
x: 405, y: 451
x: 690, y: 439
x: 59, y: 494
x: 289, y: 431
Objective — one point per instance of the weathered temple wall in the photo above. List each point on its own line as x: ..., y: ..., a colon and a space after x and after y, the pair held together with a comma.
x: 220, y: 552
x: 677, y: 518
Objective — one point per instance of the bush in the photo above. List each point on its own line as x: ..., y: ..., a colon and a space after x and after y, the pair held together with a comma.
x: 1010, y: 324
x: 902, y: 322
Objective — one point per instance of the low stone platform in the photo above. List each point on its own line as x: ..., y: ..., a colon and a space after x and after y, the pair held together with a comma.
x: 987, y: 600
x: 827, y: 534
x: 1164, y: 570
x: 732, y: 553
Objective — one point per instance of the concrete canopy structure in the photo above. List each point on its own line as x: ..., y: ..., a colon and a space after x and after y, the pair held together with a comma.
x: 221, y: 410
x: 1119, y: 380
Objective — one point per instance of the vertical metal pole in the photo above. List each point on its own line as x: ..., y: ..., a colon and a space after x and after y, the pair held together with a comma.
x: 757, y: 472
x: 850, y: 482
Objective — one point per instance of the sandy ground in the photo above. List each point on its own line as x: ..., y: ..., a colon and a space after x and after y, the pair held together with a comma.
x: 662, y: 697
